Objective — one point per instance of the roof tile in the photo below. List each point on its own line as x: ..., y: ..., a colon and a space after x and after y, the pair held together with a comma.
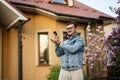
x: 79, y: 9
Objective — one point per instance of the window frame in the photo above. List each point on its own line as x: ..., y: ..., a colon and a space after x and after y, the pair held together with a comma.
x: 37, y: 54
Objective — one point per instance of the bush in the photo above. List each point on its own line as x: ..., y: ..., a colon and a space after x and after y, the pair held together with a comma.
x: 54, y: 72
x: 85, y: 77
x: 113, y: 46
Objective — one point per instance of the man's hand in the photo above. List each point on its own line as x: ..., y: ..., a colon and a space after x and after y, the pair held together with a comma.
x: 56, y: 40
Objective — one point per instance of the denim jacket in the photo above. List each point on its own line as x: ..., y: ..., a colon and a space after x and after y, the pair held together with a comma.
x: 71, y: 52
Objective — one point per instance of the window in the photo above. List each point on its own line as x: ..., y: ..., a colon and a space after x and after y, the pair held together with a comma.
x: 64, y: 36
x: 43, y: 50
x: 59, y: 1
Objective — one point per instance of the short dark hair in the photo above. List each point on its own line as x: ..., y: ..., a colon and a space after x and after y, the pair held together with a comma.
x: 72, y: 22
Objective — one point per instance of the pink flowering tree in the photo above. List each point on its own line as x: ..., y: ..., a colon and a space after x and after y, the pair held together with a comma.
x: 95, y: 52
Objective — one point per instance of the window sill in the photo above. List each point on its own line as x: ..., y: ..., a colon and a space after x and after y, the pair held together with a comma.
x: 44, y: 65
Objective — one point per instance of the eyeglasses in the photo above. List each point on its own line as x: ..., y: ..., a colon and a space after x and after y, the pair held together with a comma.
x: 69, y: 28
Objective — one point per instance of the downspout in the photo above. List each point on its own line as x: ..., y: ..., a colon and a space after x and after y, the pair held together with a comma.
x: 20, y: 64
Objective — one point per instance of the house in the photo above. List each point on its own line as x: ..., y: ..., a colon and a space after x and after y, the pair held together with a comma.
x: 25, y: 28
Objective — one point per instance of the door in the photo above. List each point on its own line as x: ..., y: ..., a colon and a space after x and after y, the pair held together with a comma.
x: 0, y: 54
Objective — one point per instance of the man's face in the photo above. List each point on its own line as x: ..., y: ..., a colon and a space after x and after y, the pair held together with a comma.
x: 71, y: 29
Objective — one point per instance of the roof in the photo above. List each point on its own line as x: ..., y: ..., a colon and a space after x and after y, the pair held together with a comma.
x: 13, y: 14
x: 79, y: 9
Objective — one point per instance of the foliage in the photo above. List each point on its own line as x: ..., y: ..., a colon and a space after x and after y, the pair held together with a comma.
x: 113, y: 44
x: 54, y: 72
x: 85, y: 77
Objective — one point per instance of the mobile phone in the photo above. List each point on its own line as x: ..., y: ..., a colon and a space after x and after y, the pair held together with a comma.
x: 55, y: 33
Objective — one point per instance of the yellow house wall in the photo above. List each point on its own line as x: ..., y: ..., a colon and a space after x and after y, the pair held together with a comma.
x: 0, y: 53
x: 108, y: 28
x: 13, y: 54
x: 10, y: 60
x: 5, y: 55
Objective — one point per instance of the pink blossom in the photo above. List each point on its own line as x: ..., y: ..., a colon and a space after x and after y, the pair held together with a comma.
x: 87, y: 54
x: 95, y: 39
x: 92, y: 64
x: 104, y: 59
x: 99, y: 51
x: 97, y: 36
x: 90, y: 58
x: 92, y: 41
x: 89, y: 34
x: 97, y: 47
x: 94, y: 58
x: 97, y: 30
x: 88, y: 26
x: 87, y: 48
x: 91, y: 67
x: 110, y: 34
x: 100, y: 59
x: 92, y: 44
x: 99, y: 27
x: 89, y: 38
x: 113, y: 55
x: 88, y: 29
x: 102, y: 32
x: 95, y: 55
x: 94, y: 34
x: 106, y: 40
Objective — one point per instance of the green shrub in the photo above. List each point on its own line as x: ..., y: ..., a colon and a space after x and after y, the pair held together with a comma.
x: 54, y: 72
x: 85, y: 77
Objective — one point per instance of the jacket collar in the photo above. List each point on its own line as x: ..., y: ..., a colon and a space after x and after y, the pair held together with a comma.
x: 72, y: 36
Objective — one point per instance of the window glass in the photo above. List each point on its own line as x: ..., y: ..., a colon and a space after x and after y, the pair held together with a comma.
x: 59, y: 1
x: 64, y: 36
x: 43, y: 48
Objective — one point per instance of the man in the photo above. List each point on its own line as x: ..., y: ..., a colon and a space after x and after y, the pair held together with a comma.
x: 71, y: 52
